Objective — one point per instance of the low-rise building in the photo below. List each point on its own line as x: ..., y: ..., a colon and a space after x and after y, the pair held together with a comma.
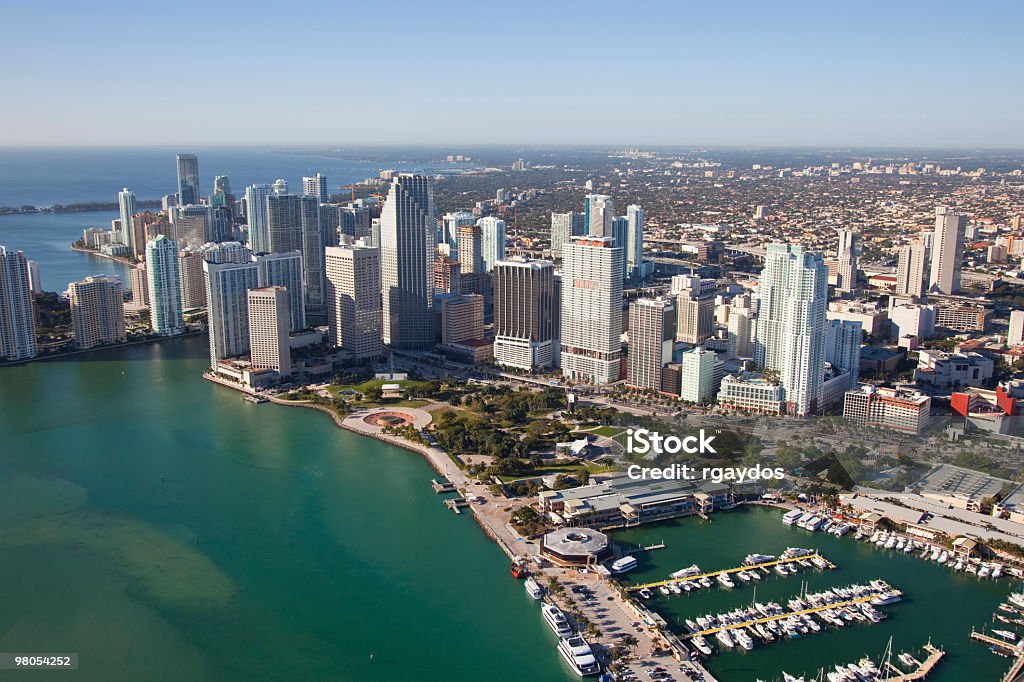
x: 890, y: 408
x: 945, y: 370
x: 752, y: 393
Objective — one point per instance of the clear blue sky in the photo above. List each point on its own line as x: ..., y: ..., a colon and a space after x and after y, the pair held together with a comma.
x: 889, y: 73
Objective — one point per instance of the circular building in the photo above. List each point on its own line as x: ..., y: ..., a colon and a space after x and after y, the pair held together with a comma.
x: 575, y: 546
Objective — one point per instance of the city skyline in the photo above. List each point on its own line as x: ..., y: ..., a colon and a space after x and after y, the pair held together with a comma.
x: 786, y: 75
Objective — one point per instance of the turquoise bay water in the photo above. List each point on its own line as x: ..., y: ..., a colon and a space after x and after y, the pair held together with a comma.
x: 164, y: 529
x: 938, y: 604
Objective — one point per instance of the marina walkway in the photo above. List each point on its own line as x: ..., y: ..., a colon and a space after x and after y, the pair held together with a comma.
x: 737, y: 569
x: 1016, y: 671
x: 934, y: 656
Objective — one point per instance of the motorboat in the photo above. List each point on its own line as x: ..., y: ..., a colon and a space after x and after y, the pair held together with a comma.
x: 754, y: 559
x: 646, y: 593
x: 688, y: 572
x: 744, y: 640
x: 701, y: 644
x: 725, y: 639
x: 725, y: 581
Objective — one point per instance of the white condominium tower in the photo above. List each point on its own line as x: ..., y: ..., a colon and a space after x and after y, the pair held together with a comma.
x: 790, y: 340
x: 565, y: 226
x: 227, y: 296
x: 599, y: 210
x: 911, y: 270
x: 17, y: 319
x: 164, y: 286
x: 354, y: 300
x: 635, y: 241
x: 651, y: 338
x: 268, y: 330
x: 284, y: 270
x: 492, y: 241
x: 591, y: 319
x: 524, y: 313
x: 316, y: 186
x: 846, y: 254
x: 127, y: 206
x: 947, y: 251
x: 256, y: 214
x: 97, y: 311
x: 407, y: 230
x: 450, y: 230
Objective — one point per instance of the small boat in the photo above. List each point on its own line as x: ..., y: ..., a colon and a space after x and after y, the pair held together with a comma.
x: 705, y: 582
x: 908, y: 548
x: 742, y: 575
x: 997, y: 570
x: 646, y: 593
x: 891, y: 542
x: 1017, y: 599
x: 984, y: 572
x: 943, y: 558
x: 935, y: 554
x: 781, y: 569
x: 675, y: 588
x: 533, y: 588
x: 518, y: 571
x: 701, y: 644
x: 725, y: 581
x: 908, y: 660
x: 664, y: 590
x: 1006, y: 634
x: 691, y: 626
x: 623, y: 565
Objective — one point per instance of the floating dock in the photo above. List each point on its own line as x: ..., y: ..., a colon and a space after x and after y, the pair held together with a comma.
x: 456, y: 504
x: 737, y: 569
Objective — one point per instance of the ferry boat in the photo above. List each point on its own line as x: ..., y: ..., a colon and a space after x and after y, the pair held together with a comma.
x: 688, y: 572
x: 578, y: 655
x: 701, y: 644
x: 533, y: 588
x: 725, y: 581
x: 623, y: 565
x: 556, y: 620
x: 791, y: 517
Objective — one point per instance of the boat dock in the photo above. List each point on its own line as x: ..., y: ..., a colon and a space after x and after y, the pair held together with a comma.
x: 442, y: 486
x: 787, y: 614
x: 935, y: 655
x: 737, y: 569
x: 456, y: 504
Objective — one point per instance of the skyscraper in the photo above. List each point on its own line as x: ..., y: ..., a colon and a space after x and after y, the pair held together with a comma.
x: 316, y: 186
x: 565, y: 226
x: 256, y: 212
x: 268, y: 330
x: 842, y: 346
x: 591, y: 315
x: 790, y: 339
x: 280, y: 186
x: 599, y: 209
x: 164, y: 286
x: 697, y: 375
x: 847, y: 253
x: 742, y: 326
x: 227, y: 307
x: 635, y: 241
x: 525, y: 313
x: 911, y: 269
x: 97, y: 311
x: 284, y: 270
x: 140, y: 285
x: 651, y: 338
x: 193, y: 282
x: 620, y: 232
x: 188, y: 179
x: 17, y: 319
x: 193, y: 225
x: 35, y: 282
x: 354, y: 317
x: 127, y: 207
x: 471, y: 253
x: 407, y: 229
x: 695, y: 320
x: 312, y: 258
x: 451, y: 222
x: 947, y: 251
x: 354, y: 221
x: 492, y: 241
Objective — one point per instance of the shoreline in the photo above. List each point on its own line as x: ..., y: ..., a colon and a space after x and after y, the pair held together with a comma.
x: 95, y: 349
x: 94, y: 252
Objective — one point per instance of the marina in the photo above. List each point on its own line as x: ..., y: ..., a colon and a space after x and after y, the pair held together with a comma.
x: 801, y: 558
x: 920, y: 618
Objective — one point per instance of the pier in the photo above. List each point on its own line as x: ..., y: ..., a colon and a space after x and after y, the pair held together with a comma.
x: 443, y: 486
x: 456, y: 504
x: 787, y: 614
x: 737, y: 569
x: 935, y: 655
x: 1004, y: 648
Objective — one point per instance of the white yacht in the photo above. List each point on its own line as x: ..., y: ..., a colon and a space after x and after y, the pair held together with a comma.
x: 891, y: 542
x: 724, y: 639
x: 646, y: 593
x: 701, y: 645
x: 578, y: 655
x: 533, y: 588
x: 742, y: 575
x: 1017, y: 599
x: 791, y: 517
x: 623, y: 565
x: 753, y: 559
x: 944, y: 557
x: 556, y: 620
x: 725, y: 581
x: 744, y: 640
x: 688, y: 572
